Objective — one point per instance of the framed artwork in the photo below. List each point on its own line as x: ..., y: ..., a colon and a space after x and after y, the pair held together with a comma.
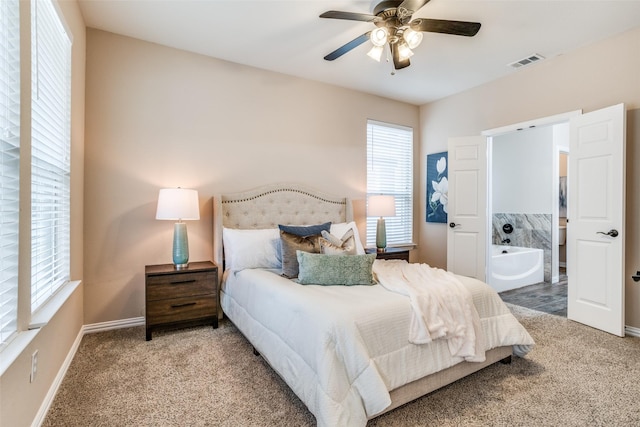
x: 563, y: 197
x: 437, y: 187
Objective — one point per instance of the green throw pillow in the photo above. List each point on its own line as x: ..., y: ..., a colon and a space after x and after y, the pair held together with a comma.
x: 321, y: 269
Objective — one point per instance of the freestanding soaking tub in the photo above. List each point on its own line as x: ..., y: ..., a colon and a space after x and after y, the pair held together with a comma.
x: 514, y: 267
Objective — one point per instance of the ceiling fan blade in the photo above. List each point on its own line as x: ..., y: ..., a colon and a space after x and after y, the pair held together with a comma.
x: 351, y: 16
x: 347, y: 47
x: 458, y: 28
x: 398, y: 63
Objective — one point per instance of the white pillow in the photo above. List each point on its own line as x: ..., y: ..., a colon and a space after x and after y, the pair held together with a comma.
x: 251, y: 248
x: 341, y: 228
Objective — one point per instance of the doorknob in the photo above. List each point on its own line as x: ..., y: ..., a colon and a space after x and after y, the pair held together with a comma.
x: 453, y: 225
x: 613, y: 233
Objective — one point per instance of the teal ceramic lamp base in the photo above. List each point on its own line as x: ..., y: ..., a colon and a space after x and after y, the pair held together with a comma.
x: 381, y: 235
x: 180, y: 246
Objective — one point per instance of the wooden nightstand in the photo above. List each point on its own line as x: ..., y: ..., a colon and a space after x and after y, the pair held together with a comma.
x: 390, y: 253
x: 179, y: 298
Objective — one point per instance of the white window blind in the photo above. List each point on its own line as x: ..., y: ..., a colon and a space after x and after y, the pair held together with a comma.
x: 50, y: 161
x: 390, y: 172
x: 9, y: 165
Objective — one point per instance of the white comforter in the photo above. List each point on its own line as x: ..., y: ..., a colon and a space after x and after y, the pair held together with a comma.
x: 341, y: 349
x: 441, y: 307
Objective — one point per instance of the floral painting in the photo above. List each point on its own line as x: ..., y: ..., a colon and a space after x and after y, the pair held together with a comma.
x: 437, y: 187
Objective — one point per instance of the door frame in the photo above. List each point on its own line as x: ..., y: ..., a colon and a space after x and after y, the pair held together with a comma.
x: 490, y: 134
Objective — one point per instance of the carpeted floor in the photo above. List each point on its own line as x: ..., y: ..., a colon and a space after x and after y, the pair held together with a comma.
x: 576, y: 376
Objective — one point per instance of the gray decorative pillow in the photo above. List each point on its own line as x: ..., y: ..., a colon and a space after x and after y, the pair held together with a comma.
x: 332, y: 245
x: 292, y: 243
x: 322, y: 269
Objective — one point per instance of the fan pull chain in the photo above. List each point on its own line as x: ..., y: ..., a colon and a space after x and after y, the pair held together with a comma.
x: 393, y: 69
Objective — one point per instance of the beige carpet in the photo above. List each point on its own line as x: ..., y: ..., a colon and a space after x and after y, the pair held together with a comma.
x: 576, y: 376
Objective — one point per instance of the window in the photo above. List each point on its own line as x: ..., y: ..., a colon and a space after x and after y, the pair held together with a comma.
x: 48, y: 158
x: 390, y: 172
x: 50, y: 152
x: 9, y: 165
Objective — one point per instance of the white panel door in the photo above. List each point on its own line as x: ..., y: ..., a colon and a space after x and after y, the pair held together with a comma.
x: 467, y: 228
x: 595, y: 232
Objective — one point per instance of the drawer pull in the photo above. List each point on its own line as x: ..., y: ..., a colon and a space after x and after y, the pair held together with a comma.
x: 182, y: 305
x: 182, y: 281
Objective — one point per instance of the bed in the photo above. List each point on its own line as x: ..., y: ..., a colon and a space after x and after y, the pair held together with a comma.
x: 345, y: 351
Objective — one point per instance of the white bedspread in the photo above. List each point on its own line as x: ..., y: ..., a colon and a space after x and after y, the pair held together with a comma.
x: 341, y: 349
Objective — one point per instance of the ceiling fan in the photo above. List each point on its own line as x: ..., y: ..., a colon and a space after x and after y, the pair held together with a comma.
x: 395, y: 27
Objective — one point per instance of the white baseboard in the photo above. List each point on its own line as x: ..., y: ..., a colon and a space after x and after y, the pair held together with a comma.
x: 631, y: 331
x: 53, y: 390
x: 114, y: 324
x: 86, y: 329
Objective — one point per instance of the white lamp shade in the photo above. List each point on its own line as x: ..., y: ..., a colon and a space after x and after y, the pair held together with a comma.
x: 413, y: 38
x: 404, y: 52
x: 378, y: 36
x: 381, y: 205
x: 375, y: 53
x: 178, y: 204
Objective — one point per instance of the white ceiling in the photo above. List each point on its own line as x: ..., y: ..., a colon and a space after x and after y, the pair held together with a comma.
x: 289, y: 37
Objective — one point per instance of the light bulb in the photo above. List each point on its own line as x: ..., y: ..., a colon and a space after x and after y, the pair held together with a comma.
x: 378, y: 36
x: 375, y: 53
x: 404, y: 52
x: 413, y: 38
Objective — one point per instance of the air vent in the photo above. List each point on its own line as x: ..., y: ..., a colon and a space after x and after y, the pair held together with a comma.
x: 527, y: 61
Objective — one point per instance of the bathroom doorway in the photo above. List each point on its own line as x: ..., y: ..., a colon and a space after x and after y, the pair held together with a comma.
x: 526, y: 257
x: 563, y: 203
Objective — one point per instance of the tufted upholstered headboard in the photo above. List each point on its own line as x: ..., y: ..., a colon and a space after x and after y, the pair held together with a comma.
x: 270, y: 205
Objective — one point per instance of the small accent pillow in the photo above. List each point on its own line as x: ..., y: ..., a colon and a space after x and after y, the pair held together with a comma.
x: 251, y: 248
x: 321, y: 269
x: 290, y: 244
x: 332, y: 245
x: 305, y: 230
x: 338, y: 229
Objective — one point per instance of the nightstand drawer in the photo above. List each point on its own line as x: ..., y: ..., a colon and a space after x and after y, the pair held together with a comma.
x: 177, y: 286
x: 390, y: 253
x: 404, y: 255
x: 181, y: 297
x: 178, y: 309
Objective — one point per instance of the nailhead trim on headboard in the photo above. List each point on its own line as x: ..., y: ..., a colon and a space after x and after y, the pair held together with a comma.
x: 267, y: 207
x: 339, y: 202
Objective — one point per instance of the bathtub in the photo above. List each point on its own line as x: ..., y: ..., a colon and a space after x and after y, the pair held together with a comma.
x: 516, y: 268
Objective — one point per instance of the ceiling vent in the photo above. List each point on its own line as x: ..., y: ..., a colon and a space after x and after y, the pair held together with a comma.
x: 527, y: 61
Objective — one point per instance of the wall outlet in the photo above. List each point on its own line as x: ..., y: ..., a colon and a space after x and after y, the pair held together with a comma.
x: 34, y: 366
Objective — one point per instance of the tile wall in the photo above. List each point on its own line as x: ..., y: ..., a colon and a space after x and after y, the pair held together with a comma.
x: 529, y: 231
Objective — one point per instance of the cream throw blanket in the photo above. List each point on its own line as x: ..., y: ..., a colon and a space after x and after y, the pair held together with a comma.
x: 441, y: 306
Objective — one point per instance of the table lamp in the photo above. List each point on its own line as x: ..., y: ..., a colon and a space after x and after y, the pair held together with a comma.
x: 381, y: 206
x: 179, y: 204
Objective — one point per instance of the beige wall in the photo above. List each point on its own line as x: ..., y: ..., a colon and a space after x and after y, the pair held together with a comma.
x: 20, y: 400
x: 160, y: 117
x: 591, y: 78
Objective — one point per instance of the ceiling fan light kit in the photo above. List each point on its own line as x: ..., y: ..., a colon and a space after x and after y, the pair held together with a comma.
x: 396, y: 29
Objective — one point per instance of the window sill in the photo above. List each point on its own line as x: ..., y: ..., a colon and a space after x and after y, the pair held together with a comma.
x: 44, y: 314
x: 40, y: 318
